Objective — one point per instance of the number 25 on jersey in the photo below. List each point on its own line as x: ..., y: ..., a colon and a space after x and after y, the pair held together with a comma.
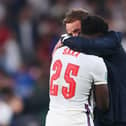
x: 71, y: 69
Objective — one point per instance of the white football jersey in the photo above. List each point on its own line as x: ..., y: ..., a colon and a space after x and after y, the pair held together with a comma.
x: 72, y: 76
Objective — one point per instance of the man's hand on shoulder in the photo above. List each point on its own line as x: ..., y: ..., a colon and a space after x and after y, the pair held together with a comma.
x: 58, y: 45
x: 60, y: 42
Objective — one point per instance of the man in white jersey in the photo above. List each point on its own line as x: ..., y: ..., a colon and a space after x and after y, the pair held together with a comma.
x: 73, y: 76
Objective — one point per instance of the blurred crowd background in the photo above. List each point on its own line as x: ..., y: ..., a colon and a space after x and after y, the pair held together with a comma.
x: 29, y: 30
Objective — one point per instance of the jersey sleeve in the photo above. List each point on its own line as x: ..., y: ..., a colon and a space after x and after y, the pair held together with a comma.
x: 99, y: 73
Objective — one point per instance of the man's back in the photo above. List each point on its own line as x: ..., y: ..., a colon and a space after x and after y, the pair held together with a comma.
x: 72, y: 75
x: 116, y: 65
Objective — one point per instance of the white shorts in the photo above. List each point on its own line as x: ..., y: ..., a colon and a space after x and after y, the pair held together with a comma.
x: 69, y: 119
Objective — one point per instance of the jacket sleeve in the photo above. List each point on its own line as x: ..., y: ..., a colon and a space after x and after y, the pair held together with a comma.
x: 105, y: 45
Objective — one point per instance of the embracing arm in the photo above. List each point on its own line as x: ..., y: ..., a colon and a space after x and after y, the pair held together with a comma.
x: 105, y: 45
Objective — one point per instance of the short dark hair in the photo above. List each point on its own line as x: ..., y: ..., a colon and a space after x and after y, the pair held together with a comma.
x: 75, y: 14
x: 94, y: 24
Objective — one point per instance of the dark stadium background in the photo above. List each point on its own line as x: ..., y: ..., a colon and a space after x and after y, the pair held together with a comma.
x: 29, y: 29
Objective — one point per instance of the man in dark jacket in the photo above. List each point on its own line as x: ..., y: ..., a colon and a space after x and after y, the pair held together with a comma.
x: 109, y: 47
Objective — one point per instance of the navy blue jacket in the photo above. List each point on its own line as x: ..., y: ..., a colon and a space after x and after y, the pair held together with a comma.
x: 109, y: 47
